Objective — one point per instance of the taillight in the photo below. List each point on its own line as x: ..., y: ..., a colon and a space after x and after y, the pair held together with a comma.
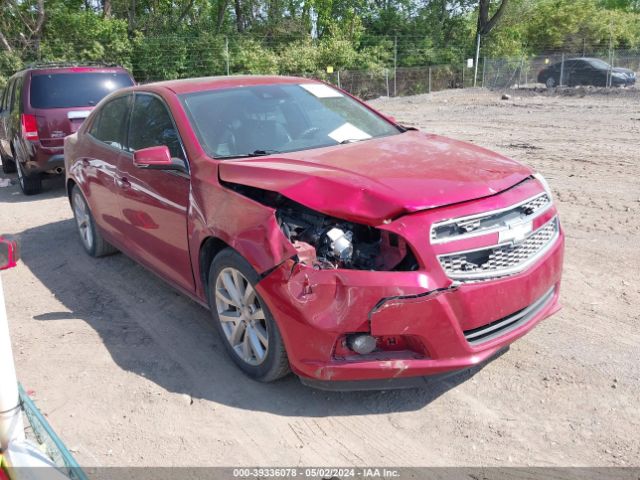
x: 29, y: 127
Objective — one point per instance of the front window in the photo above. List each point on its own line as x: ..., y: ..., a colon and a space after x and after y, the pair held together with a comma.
x: 152, y: 126
x: 67, y: 90
x: 281, y: 118
x: 599, y: 64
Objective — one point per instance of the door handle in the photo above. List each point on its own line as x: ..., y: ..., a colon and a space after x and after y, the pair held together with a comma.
x: 123, y: 182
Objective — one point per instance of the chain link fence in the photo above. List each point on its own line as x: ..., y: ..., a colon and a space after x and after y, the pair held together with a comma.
x: 400, y: 81
x: 493, y: 73
x: 170, y: 57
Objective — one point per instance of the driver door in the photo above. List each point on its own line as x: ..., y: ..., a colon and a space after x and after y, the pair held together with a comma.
x: 154, y: 203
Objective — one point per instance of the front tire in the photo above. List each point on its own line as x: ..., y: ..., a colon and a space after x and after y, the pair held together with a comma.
x: 245, y: 324
x: 90, y: 237
x: 551, y: 82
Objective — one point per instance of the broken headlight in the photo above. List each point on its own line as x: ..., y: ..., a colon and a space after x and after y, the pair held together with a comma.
x: 327, y: 243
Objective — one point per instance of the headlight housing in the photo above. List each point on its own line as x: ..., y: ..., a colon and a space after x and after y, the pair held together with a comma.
x: 323, y: 242
x: 545, y: 184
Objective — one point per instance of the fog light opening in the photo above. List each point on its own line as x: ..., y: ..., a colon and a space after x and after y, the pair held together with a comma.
x: 362, y: 343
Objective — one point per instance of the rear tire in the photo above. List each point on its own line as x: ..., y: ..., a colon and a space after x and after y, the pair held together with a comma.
x: 91, y: 239
x: 551, y: 82
x: 29, y: 184
x: 247, y: 329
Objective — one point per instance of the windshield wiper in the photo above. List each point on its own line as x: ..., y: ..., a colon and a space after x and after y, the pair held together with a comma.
x: 255, y: 153
x: 350, y: 140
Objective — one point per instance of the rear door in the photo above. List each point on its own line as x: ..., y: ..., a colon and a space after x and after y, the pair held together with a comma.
x: 582, y: 73
x: 61, y: 100
x: 5, y: 104
x: 102, y: 147
x: 154, y: 203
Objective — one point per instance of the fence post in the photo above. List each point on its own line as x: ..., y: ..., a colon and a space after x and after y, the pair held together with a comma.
x: 613, y: 59
x: 395, y: 66
x: 610, y: 72
x: 484, y: 63
x: 561, y: 71
x: 339, y: 79
x: 11, y: 426
x: 226, y: 54
x: 520, y: 74
x: 386, y: 80
x: 429, y: 79
x: 475, y: 65
x: 464, y: 66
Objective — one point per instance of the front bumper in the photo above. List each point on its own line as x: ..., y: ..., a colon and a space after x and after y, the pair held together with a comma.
x: 423, y: 314
x: 396, y: 304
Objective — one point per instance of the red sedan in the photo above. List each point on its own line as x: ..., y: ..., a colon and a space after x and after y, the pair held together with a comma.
x: 325, y: 238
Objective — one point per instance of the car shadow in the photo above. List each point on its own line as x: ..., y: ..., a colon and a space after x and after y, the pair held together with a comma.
x: 155, y: 332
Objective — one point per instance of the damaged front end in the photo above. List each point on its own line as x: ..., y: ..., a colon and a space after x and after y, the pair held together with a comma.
x: 323, y: 242
x: 363, y: 302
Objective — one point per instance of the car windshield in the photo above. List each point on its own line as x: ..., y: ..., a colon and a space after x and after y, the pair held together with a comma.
x: 65, y: 90
x: 265, y: 119
x: 599, y: 64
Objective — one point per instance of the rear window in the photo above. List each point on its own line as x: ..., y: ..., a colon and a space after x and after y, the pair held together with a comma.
x: 64, y: 90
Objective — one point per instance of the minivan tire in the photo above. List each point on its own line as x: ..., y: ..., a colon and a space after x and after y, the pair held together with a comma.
x: 30, y: 184
x: 8, y: 166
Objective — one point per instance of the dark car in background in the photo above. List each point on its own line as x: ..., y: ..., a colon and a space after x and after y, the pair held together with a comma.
x: 42, y: 105
x: 586, y: 71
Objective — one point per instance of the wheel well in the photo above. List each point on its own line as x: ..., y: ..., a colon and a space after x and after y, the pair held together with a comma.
x: 208, y: 250
x: 70, y: 185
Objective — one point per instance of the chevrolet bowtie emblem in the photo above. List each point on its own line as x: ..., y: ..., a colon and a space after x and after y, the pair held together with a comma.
x: 516, y: 232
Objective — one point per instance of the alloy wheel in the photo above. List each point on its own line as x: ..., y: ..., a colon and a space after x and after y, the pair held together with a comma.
x: 83, y: 219
x: 241, y: 316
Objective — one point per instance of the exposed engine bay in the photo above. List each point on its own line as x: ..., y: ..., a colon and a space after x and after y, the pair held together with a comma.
x: 324, y: 242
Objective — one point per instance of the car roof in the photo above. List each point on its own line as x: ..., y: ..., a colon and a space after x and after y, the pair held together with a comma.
x: 586, y: 59
x: 73, y: 69
x: 191, y: 85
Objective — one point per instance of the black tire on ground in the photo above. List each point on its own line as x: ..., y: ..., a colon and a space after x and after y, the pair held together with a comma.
x: 30, y: 184
x: 275, y: 364
x: 8, y: 165
x: 551, y: 82
x: 90, y: 237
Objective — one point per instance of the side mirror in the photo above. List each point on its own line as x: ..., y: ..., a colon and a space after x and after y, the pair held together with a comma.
x: 9, y: 254
x: 157, y: 158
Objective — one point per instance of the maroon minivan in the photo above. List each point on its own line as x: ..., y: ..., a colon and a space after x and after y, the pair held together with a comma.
x: 42, y: 105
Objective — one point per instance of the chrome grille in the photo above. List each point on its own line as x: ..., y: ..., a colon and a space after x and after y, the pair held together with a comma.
x: 488, y: 222
x: 500, y: 260
x: 535, y: 204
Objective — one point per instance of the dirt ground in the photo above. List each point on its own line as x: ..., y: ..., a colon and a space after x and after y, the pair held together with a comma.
x: 129, y: 372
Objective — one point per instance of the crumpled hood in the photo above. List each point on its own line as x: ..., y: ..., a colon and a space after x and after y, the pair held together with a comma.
x: 379, y: 179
